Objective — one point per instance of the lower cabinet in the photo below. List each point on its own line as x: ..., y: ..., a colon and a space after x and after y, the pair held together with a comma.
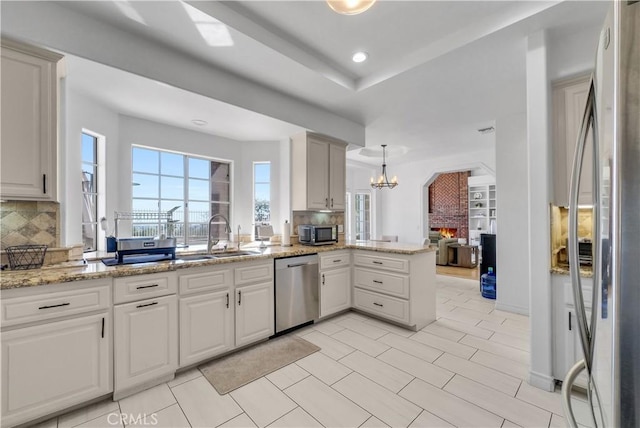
x: 254, y: 312
x: 146, y: 338
x: 206, y: 326
x: 46, y: 368
x: 335, y: 291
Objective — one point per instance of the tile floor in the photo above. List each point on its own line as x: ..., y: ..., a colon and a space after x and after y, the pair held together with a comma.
x: 466, y: 369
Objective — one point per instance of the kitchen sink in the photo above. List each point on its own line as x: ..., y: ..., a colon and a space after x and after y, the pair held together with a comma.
x: 235, y: 254
x: 195, y: 257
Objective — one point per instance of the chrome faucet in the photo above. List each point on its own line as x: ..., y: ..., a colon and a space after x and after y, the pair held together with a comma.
x: 210, y: 240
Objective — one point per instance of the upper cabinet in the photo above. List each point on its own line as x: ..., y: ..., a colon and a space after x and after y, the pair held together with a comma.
x: 29, y: 122
x: 569, y: 101
x: 318, y: 172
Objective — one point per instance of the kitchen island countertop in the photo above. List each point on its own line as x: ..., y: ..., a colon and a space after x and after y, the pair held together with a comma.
x: 81, y: 270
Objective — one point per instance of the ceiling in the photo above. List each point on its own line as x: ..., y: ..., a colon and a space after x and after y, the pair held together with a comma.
x: 437, y: 71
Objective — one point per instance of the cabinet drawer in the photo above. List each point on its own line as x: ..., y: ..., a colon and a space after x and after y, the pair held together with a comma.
x: 253, y: 273
x: 388, y: 283
x: 381, y: 262
x: 385, y: 306
x: 20, y: 310
x: 139, y: 287
x: 334, y: 260
x: 206, y: 279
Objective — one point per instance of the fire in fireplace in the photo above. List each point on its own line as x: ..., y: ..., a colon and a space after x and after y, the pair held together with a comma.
x: 446, y: 232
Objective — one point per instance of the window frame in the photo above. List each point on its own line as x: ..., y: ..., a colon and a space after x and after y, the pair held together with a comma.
x: 95, y: 194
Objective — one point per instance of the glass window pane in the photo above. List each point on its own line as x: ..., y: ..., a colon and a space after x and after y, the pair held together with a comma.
x: 88, y: 149
x: 199, y: 211
x: 263, y: 192
x: 171, y: 188
x: 89, y: 236
x: 88, y: 179
x: 171, y: 164
x: 262, y: 172
x: 147, y: 186
x: 167, y: 205
x: 198, y: 168
x: 149, y: 205
x: 219, y: 171
x: 198, y: 189
x: 220, y: 192
x: 145, y: 160
x: 89, y: 208
x: 262, y: 211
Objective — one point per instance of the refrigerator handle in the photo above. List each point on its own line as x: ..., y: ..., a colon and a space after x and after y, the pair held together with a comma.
x: 567, y: 386
x: 574, y: 263
x: 596, y: 225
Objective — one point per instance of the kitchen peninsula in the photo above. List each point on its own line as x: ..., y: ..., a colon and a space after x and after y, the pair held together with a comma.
x: 114, y: 331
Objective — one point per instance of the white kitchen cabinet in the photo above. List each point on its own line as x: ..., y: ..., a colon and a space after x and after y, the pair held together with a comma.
x: 569, y: 101
x: 567, y: 346
x: 206, y: 313
x: 335, y: 282
x: 254, y: 302
x: 318, y: 171
x: 56, y: 348
x: 396, y: 287
x: 145, y: 343
x: 29, y: 122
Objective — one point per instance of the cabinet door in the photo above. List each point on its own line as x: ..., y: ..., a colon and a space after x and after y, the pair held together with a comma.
x: 206, y: 326
x: 255, y: 318
x: 335, y: 291
x: 317, y: 174
x: 28, y: 126
x: 146, y: 341
x: 572, y: 346
x: 337, y: 176
x: 46, y: 368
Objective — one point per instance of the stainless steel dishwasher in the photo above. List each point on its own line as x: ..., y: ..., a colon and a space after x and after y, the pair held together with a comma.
x: 296, y: 289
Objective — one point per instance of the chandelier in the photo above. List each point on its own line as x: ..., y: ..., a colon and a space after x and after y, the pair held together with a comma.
x: 383, y: 181
x: 350, y: 7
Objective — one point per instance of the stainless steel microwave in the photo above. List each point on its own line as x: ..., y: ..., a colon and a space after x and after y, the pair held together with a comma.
x: 309, y: 234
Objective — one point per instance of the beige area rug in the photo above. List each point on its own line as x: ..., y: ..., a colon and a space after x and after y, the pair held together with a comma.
x: 236, y: 370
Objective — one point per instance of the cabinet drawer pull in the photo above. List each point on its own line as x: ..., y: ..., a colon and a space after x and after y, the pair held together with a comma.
x: 337, y: 260
x: 54, y: 306
x: 331, y: 202
x: 326, y: 202
x: 377, y: 282
x: 322, y: 279
x: 378, y: 304
x: 375, y: 262
x: 239, y: 297
x: 227, y: 300
x: 146, y: 286
x: 147, y: 304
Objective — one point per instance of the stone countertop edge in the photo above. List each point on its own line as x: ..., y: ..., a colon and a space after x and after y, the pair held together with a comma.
x: 584, y: 272
x: 96, y: 270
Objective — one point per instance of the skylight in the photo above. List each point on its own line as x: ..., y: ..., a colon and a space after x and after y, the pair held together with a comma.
x: 214, y: 32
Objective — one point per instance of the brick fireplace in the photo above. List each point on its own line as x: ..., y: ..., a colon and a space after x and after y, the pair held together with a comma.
x: 448, y: 204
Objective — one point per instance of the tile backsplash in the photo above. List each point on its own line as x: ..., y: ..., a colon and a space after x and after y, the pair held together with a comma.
x: 29, y: 222
x: 317, y: 218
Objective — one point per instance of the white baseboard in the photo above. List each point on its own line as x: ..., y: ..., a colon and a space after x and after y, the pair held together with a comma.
x: 541, y: 381
x: 510, y: 308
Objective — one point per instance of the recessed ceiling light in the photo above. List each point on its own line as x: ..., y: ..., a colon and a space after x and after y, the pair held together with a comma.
x: 199, y: 122
x: 360, y: 56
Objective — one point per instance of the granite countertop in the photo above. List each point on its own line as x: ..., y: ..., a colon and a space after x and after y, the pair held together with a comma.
x: 585, y: 271
x: 95, y: 269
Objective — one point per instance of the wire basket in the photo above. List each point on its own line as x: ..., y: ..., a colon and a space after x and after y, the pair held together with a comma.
x: 26, y: 256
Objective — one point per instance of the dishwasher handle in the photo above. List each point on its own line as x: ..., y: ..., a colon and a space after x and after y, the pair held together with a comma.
x: 299, y: 264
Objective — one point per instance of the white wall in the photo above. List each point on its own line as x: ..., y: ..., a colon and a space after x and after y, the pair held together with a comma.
x: 358, y: 180
x: 121, y: 132
x: 82, y: 113
x: 402, y: 208
x: 574, y: 53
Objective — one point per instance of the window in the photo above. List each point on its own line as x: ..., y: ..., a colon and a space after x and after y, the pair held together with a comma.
x: 89, y: 192
x: 363, y: 216
x: 180, y: 193
x: 262, y: 192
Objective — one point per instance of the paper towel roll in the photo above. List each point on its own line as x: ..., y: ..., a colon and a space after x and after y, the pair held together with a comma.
x: 286, y: 234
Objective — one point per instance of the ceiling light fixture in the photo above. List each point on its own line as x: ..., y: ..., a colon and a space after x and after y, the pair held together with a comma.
x: 360, y: 56
x: 199, y: 122
x: 350, y: 7
x: 383, y: 181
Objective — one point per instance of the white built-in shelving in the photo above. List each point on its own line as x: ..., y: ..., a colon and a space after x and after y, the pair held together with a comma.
x: 482, y: 207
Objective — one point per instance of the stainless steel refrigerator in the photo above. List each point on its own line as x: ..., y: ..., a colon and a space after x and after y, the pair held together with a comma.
x: 610, y: 336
